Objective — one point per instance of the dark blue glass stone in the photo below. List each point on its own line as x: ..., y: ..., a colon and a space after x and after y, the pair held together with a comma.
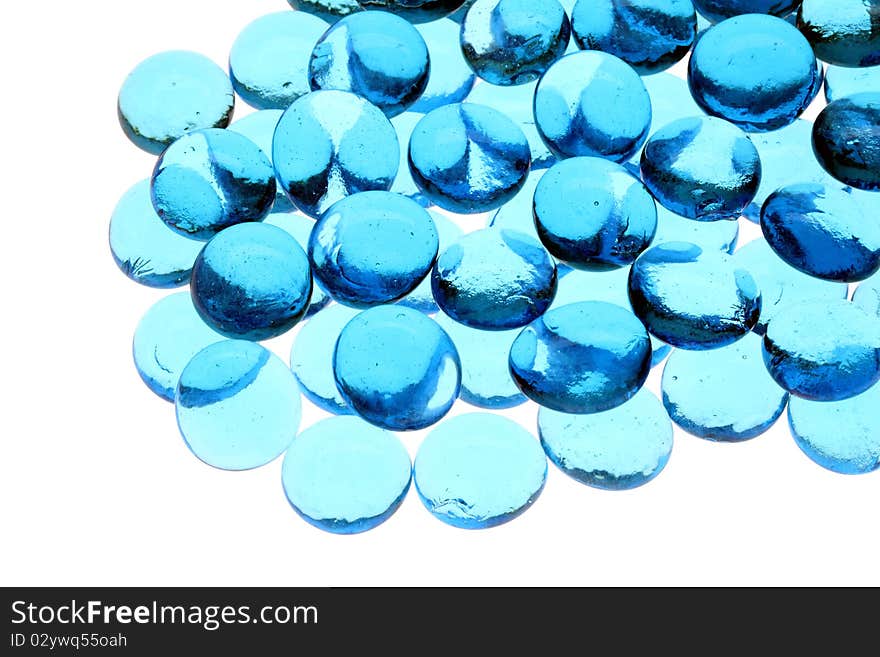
x: 846, y: 140
x: 259, y: 127
x: 718, y: 10
x: 422, y: 298
x: 867, y: 295
x: 842, y: 32
x: 450, y: 79
x: 842, y: 81
x: 404, y: 124
x: 709, y: 235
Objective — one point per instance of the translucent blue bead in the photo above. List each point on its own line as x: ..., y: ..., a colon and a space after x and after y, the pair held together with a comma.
x: 718, y: 10
x: 450, y: 79
x: 373, y: 248
x: 592, y: 103
x: 867, y: 295
x: 843, y: 32
x: 702, y: 168
x: 754, y: 70
x: 415, y: 11
x: 823, y: 351
x: 468, y: 158
x: 649, y: 35
x: 846, y: 140
x: 582, y: 358
x: 396, y: 368
x: 422, y: 298
x: 619, y: 449
x: 330, y: 144
x: 167, y: 337
x: 238, y: 406
x: 479, y: 470
x: 404, y: 124
x: 842, y: 81
x: 259, y: 127
x: 209, y: 180
x: 517, y: 214
x: 494, y: 279
x: 344, y: 476
x: 252, y: 281
x: 328, y: 10
x: 709, y: 235
x: 173, y: 93
x: 693, y: 298
x: 376, y: 55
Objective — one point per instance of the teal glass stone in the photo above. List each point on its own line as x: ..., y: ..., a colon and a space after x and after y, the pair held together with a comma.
x: 450, y: 79
x: 259, y: 127
x: 843, y: 32
x: 422, y: 298
x: 718, y: 10
x: 479, y: 470
x: 710, y: 235
x: 345, y: 476
x: 404, y: 124
x: 328, y: 10
x: 518, y: 214
x: 867, y: 295
x: 842, y: 81
x: 415, y: 11
x: 846, y: 140
x: 170, y: 94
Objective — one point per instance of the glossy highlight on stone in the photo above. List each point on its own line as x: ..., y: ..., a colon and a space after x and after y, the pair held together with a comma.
x: 718, y: 10
x: 422, y: 298
x: 450, y: 79
x: 867, y: 295
x: 846, y: 140
x: 842, y: 81
x: 842, y: 32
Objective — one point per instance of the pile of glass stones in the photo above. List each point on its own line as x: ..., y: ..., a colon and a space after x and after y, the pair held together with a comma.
x: 521, y: 208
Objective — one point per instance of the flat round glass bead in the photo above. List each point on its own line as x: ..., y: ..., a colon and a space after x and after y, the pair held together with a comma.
x: 373, y: 248
x: 144, y: 248
x: 252, y: 281
x: 867, y: 295
x: 422, y: 298
x: 842, y: 81
x: 167, y: 337
x: 582, y: 358
x: 396, y: 368
x: 693, y: 298
x: 170, y: 94
x: 846, y: 140
x: 724, y: 395
x: 843, y: 32
x: 345, y: 476
x: 517, y: 214
x: 450, y: 79
x: 709, y: 235
x: 269, y: 61
x: 479, y: 470
x: 259, y: 127
x: 468, y: 158
x: 702, y: 168
x: 619, y: 449
x: 330, y: 144
x: 209, y: 180
x: 823, y: 351
x: 415, y: 11
x: 578, y: 107
x: 494, y: 279
x: 238, y: 406
x: 376, y: 55
x: 328, y: 10
x: 718, y: 10
x: 404, y: 184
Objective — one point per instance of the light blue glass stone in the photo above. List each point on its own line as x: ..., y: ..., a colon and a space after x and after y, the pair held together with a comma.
x: 479, y: 470
x: 724, y: 395
x: 209, y: 180
x: 259, y: 127
x: 170, y: 94
x: 843, y: 32
x: 494, y: 279
x: 867, y: 295
x: 373, y: 248
x: 422, y: 298
x: 450, y: 79
x: 328, y: 10
x: 846, y: 140
x: 468, y: 158
x: 396, y: 368
x: 582, y: 358
x: 238, y: 406
x: 823, y: 350
x: 709, y: 235
x: 619, y: 449
x: 517, y: 214
x: 404, y: 124
x: 169, y: 334
x: 345, y: 476
x: 144, y: 248
x: 841, y: 81
x: 330, y: 144
x: 579, y: 107
x: 718, y: 10
x: 252, y: 281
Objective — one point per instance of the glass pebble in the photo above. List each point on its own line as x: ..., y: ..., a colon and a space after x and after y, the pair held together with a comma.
x: 517, y: 214
x: 259, y: 127
x: 846, y: 140
x: 422, y: 298
x: 328, y: 10
x: 842, y: 81
x: 209, y: 180
x: 709, y: 235
x: 330, y: 144
x: 867, y: 295
x: 842, y: 32
x: 718, y: 10
x: 238, y: 406
x: 144, y: 248
x: 345, y: 476
x: 450, y: 79
x: 479, y: 470
x: 396, y: 368
x: 252, y: 281
x: 170, y: 94
x: 404, y: 124
x: 619, y: 449
x: 582, y: 358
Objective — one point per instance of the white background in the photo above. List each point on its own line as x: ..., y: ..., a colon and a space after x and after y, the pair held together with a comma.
x: 99, y: 489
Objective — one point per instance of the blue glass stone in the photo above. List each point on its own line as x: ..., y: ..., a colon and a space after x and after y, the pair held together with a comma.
x: 582, y: 358
x: 144, y: 248
x: 494, y: 279
x: 843, y: 32
x: 209, y: 180
x: 823, y: 351
x: 450, y: 79
x: 479, y: 470
x: 330, y: 144
x: 376, y: 55
x: 415, y: 11
x: 718, y: 10
x: 345, y: 476
x: 259, y: 127
x: 649, y: 35
x: 619, y: 449
x: 396, y: 368
x: 593, y: 215
x: 328, y: 10
x: 459, y: 14
x: 754, y: 70
x: 578, y: 107
x: 404, y: 124
x: 518, y: 214
x: 468, y: 158
x: 373, y: 248
x: 167, y: 337
x: 867, y: 295
x: 422, y: 298
x: 170, y: 94
x: 252, y: 281
x: 842, y: 81
x: 238, y: 406
x: 693, y: 298
x: 709, y: 235
x: 702, y: 168
x: 846, y: 140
